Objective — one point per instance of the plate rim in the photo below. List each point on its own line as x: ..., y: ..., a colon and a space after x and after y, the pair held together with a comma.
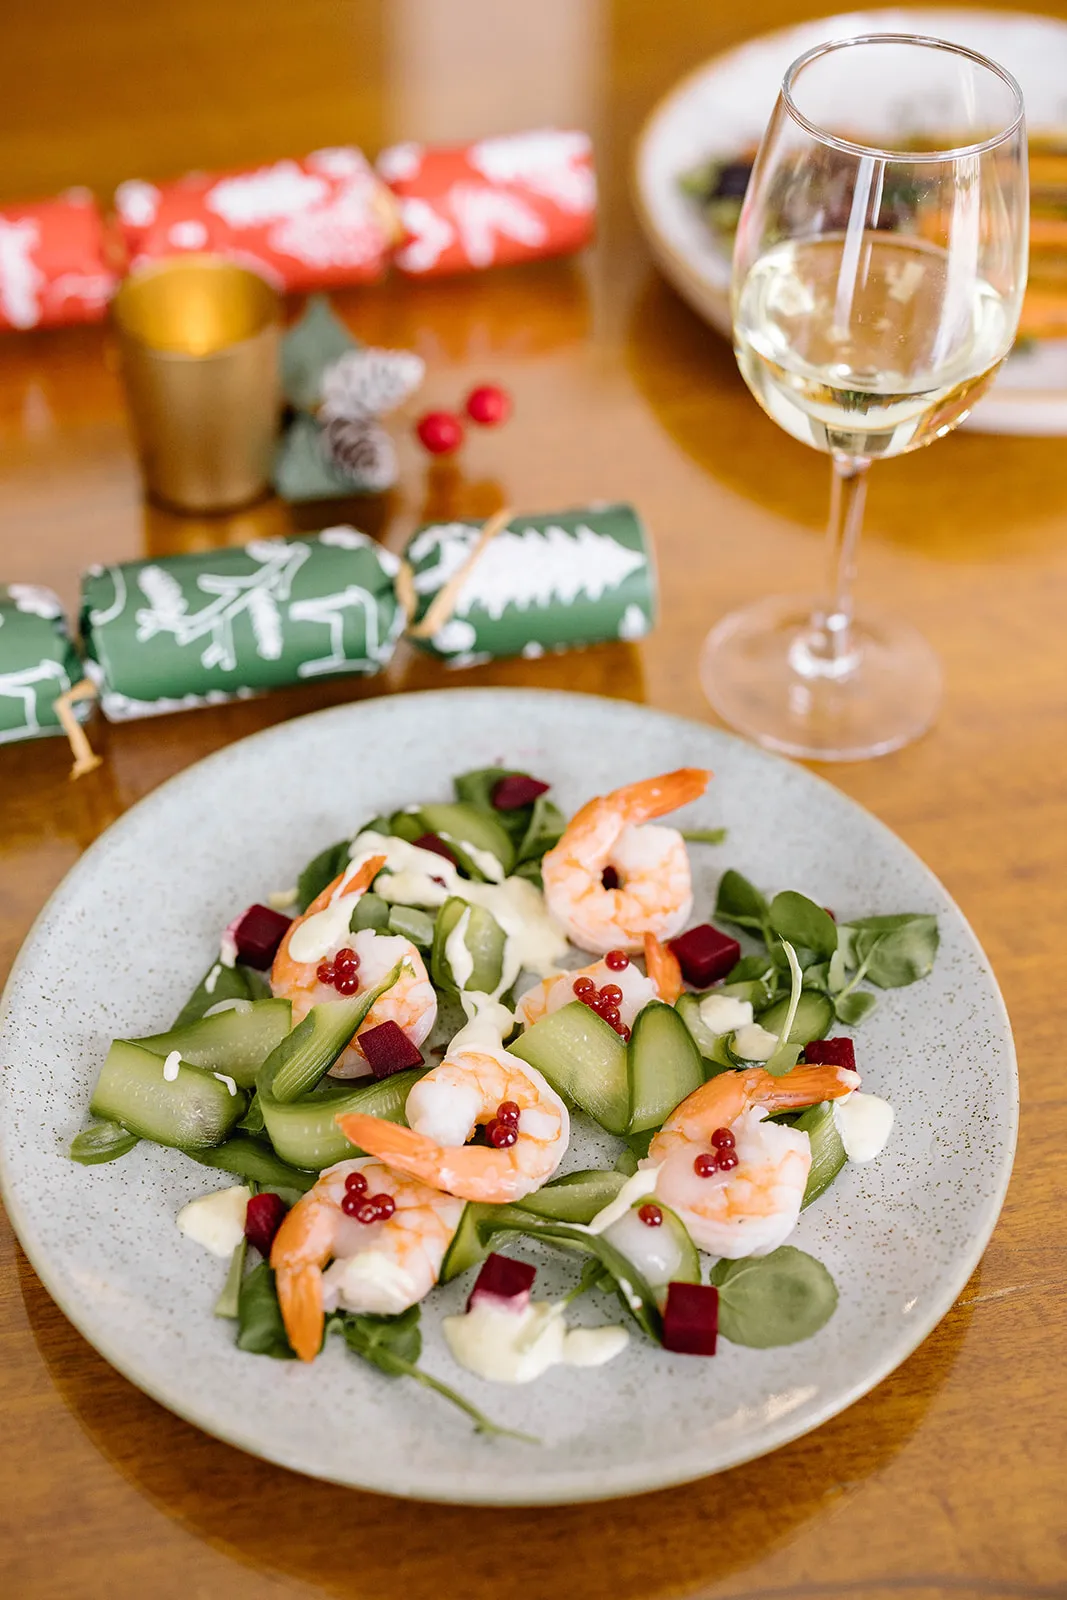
x: 700, y: 291
x: 628, y: 1479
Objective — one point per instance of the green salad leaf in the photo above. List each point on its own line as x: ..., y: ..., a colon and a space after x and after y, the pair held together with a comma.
x: 223, y: 983
x: 851, y: 1009
x: 704, y: 835
x: 101, y: 1141
x: 543, y: 831
x: 773, y: 1300
x: 800, y: 921
x: 894, y: 951
x: 229, y: 1301
x: 394, y: 1345
x: 321, y: 870
x: 741, y: 903
x: 260, y: 1329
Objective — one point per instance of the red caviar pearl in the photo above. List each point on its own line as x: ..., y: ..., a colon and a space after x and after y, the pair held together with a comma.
x: 384, y: 1205
x: 617, y: 960
x: 355, y: 1183
x: 612, y: 994
x: 346, y: 957
x: 723, y: 1139
x: 728, y: 1160
x: 508, y: 1112
x: 706, y: 1165
x: 651, y: 1216
x: 364, y: 1211
x: 623, y: 1032
x: 610, y: 1014
x: 353, y: 1205
x: 347, y: 983
x: 584, y: 988
x: 326, y: 972
x: 500, y: 1135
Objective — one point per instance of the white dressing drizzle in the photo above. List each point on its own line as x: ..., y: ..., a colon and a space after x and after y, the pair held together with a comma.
x: 228, y: 1005
x: 642, y: 1183
x: 505, y: 1345
x: 459, y: 958
x: 753, y: 1043
x: 228, y: 948
x: 171, y: 1066
x: 864, y: 1122
x: 229, y: 1082
x: 721, y: 1013
x: 324, y: 932
x: 217, y: 1221
x: 212, y: 978
x: 416, y: 877
x: 484, y: 860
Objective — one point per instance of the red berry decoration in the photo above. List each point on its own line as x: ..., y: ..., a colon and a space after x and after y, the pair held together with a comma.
x: 263, y: 1218
x: 488, y: 405
x: 617, y: 960
x: 651, y: 1216
x: 440, y: 432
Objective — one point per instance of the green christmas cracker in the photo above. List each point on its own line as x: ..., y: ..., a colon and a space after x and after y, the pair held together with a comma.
x: 551, y: 582
x: 38, y: 662
x: 199, y: 629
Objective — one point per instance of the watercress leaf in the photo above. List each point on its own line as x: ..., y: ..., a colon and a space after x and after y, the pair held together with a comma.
x: 321, y: 870
x: 530, y: 870
x: 260, y: 1329
x: 476, y: 789
x: 896, y: 950
x: 252, y: 1122
x: 817, y: 976
x: 626, y: 1163
x: 222, y: 983
x: 783, y: 1060
x: 544, y: 829
x: 394, y: 1344
x: 773, y: 1300
x: 390, y: 1343
x: 741, y: 903
x: 704, y: 835
x: 852, y: 1008
x: 846, y: 945
x: 836, y: 976
x: 101, y: 1141
x: 754, y: 969
x: 796, y: 918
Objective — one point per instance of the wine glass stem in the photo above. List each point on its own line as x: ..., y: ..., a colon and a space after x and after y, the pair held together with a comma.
x: 830, y: 644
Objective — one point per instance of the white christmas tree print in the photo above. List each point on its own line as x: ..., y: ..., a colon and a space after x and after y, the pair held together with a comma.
x: 256, y: 593
x: 525, y: 567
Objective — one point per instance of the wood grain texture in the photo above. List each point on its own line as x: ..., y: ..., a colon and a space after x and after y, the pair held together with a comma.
x: 949, y: 1478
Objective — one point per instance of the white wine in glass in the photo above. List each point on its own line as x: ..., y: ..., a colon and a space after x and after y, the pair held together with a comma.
x: 878, y: 278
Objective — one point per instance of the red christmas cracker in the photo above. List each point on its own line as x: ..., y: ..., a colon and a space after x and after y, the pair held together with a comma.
x: 53, y: 267
x: 321, y: 220
x: 491, y: 203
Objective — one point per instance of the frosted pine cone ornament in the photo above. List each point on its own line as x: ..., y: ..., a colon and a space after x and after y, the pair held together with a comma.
x: 360, y: 448
x: 370, y: 382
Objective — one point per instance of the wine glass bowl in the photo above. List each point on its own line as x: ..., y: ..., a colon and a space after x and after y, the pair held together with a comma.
x: 879, y: 270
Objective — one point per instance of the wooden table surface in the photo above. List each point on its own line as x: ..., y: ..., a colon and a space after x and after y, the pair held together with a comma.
x: 950, y: 1478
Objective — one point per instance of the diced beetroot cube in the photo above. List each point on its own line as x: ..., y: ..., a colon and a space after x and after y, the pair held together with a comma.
x: 265, y: 1215
x: 691, y: 1319
x: 503, y: 1278
x: 258, y: 934
x: 705, y: 955
x: 430, y: 841
x: 388, y: 1049
x: 831, y: 1053
x: 510, y: 794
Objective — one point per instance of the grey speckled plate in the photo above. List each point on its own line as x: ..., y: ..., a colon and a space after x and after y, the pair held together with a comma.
x: 143, y: 910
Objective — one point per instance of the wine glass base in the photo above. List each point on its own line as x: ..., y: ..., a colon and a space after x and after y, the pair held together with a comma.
x: 769, y: 676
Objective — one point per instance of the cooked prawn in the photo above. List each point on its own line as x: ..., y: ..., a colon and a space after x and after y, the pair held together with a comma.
x: 557, y: 991
x: 445, y: 1107
x: 751, y: 1209
x: 382, y: 1267
x: 320, y: 933
x: 651, y: 865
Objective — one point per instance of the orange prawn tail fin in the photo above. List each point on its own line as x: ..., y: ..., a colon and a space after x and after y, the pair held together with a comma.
x: 300, y: 1300
x: 800, y: 1086
x: 399, y: 1147
x: 663, y: 969
x: 361, y: 879
x: 655, y: 797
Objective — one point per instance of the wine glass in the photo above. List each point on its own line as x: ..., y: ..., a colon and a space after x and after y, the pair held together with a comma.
x: 879, y: 270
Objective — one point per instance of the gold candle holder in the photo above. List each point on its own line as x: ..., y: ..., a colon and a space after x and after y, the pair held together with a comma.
x: 198, y: 341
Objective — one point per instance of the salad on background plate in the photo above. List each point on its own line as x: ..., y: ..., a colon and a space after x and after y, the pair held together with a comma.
x: 386, y: 1064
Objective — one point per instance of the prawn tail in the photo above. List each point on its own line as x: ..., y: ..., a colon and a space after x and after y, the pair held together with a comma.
x: 655, y: 797
x: 400, y: 1148
x: 300, y: 1299
x: 663, y: 969
x: 365, y: 875
x: 801, y: 1086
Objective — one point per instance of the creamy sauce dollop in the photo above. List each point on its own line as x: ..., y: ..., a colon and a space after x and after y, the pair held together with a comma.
x: 217, y: 1221
x: 753, y: 1043
x: 507, y: 1345
x: 864, y: 1122
x: 721, y: 1013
